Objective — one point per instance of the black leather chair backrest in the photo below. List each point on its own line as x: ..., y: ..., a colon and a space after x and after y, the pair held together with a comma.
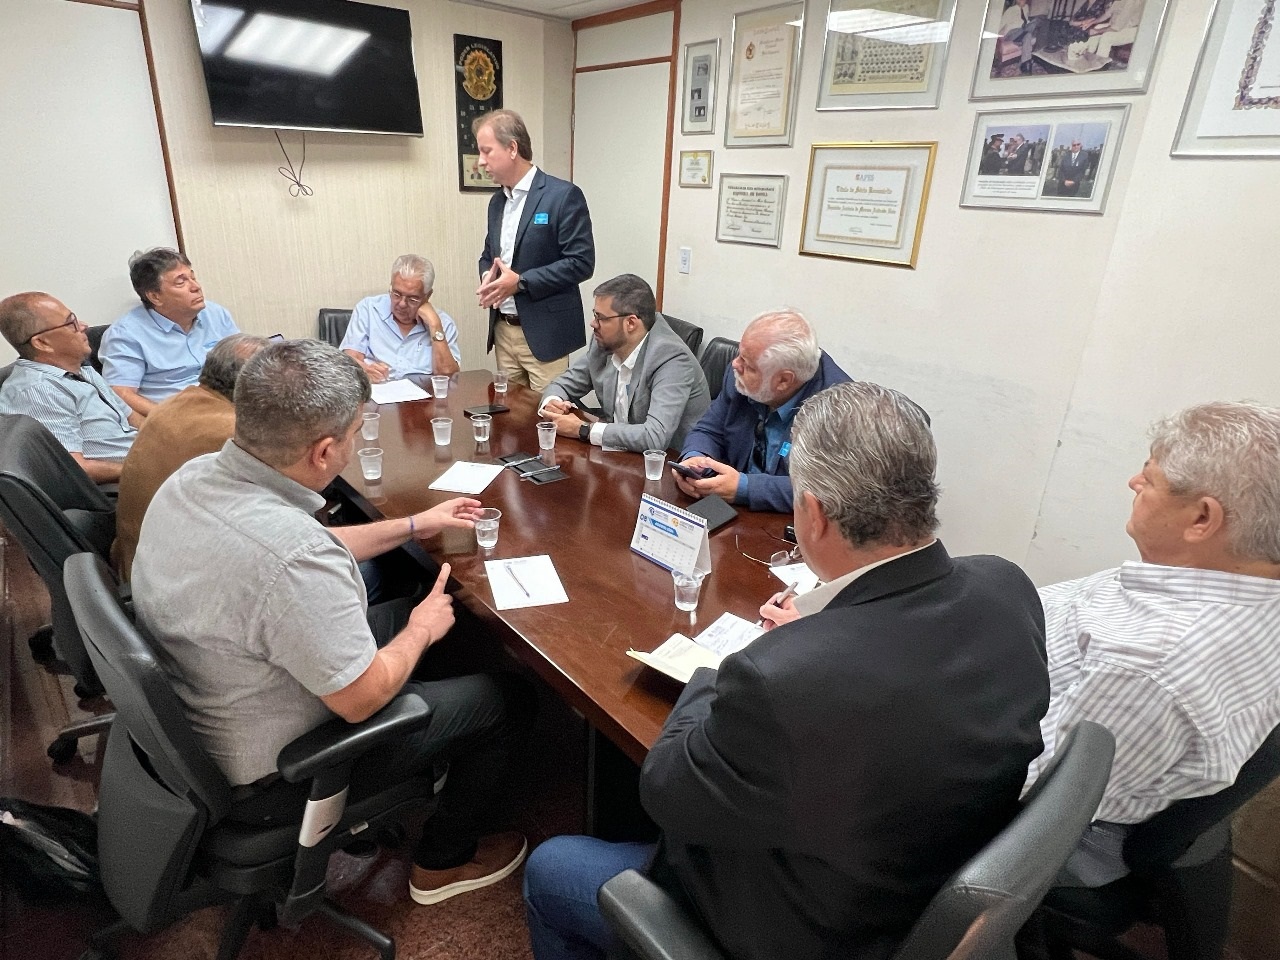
x: 95, y: 344
x: 690, y: 334
x: 54, y: 510
x: 159, y: 789
x: 5, y: 371
x: 1158, y: 842
x: 716, y: 357
x: 984, y: 905
x: 332, y: 325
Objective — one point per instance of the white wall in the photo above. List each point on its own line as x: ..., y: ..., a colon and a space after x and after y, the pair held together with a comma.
x: 1041, y: 344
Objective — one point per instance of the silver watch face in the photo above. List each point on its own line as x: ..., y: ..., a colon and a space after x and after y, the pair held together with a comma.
x: 438, y: 335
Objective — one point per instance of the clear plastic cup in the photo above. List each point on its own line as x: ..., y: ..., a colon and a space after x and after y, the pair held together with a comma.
x: 688, y: 586
x: 654, y: 460
x: 369, y: 426
x: 439, y: 387
x: 442, y: 427
x: 546, y: 435
x: 480, y: 425
x: 370, y: 462
x: 499, y: 386
x: 487, y: 527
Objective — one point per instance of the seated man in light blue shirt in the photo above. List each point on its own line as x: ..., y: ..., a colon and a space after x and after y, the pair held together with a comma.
x: 158, y: 347
x: 50, y: 384
x: 397, y: 333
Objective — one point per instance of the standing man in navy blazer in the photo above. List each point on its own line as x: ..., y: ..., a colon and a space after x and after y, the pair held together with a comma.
x: 538, y: 249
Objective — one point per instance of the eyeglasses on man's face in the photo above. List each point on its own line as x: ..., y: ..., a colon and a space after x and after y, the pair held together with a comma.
x: 401, y: 298
x: 71, y: 321
x: 602, y: 317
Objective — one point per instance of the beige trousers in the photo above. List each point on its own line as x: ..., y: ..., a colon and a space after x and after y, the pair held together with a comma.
x: 512, y: 354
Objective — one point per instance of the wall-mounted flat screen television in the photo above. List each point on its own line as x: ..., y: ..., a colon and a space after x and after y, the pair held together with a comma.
x: 309, y: 65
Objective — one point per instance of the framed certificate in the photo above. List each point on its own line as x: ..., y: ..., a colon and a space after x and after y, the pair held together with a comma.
x: 1233, y: 107
x: 866, y: 201
x: 695, y: 168
x: 701, y: 65
x: 750, y: 209
x: 764, y: 73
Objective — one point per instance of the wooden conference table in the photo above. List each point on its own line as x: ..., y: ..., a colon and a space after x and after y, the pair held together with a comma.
x: 617, y: 599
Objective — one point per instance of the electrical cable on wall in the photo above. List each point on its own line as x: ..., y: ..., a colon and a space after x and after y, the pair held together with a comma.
x: 296, y: 187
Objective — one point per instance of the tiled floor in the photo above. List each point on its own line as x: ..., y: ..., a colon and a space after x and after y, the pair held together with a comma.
x: 34, y: 703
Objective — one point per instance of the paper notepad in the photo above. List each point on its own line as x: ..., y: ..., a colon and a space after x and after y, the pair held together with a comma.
x: 679, y: 656
x: 797, y: 573
x: 398, y: 391
x: 466, y: 477
x: 524, y: 582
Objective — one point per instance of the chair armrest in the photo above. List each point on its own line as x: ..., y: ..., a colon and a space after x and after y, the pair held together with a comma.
x: 337, y: 741
x: 650, y: 922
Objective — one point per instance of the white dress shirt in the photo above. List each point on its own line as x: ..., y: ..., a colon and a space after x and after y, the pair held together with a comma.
x: 511, y: 213
x: 621, y: 395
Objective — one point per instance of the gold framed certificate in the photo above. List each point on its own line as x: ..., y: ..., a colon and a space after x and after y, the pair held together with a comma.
x: 695, y: 168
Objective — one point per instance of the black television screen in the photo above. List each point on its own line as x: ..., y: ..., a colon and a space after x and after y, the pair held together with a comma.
x: 309, y: 65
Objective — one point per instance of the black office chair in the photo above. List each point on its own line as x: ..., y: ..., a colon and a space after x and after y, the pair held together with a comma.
x: 979, y: 911
x: 332, y: 325
x: 1180, y: 879
x: 54, y: 510
x: 690, y: 334
x: 716, y: 357
x: 95, y: 344
x: 166, y: 842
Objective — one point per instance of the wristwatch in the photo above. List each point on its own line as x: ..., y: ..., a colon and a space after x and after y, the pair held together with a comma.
x: 522, y: 286
x: 584, y: 433
x: 438, y: 335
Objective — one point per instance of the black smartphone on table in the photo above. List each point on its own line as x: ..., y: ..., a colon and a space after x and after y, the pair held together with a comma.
x: 490, y: 408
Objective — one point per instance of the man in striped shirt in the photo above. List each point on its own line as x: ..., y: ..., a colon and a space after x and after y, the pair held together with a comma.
x: 1177, y: 654
x: 50, y: 384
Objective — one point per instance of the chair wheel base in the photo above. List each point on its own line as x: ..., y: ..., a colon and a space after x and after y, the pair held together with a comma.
x: 62, y: 750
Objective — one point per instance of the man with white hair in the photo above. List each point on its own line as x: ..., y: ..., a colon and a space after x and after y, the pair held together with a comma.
x: 399, y: 332
x: 1176, y: 655
x: 743, y: 441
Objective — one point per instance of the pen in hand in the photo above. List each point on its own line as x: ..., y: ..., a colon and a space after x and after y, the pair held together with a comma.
x: 779, y: 599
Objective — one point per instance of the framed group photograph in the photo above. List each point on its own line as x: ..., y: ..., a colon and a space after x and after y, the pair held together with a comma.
x: 866, y: 201
x: 764, y: 76
x: 701, y: 63
x: 695, y: 168
x: 1054, y: 159
x: 750, y: 209
x: 884, y: 53
x: 1053, y: 48
x: 1233, y: 107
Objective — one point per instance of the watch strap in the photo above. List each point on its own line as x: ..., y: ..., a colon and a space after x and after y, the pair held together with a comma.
x: 584, y: 433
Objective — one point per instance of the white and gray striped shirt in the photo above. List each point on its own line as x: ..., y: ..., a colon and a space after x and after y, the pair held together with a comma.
x: 1182, y: 665
x: 85, y: 414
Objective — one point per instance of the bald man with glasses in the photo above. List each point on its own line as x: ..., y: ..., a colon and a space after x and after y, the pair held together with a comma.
x: 51, y: 383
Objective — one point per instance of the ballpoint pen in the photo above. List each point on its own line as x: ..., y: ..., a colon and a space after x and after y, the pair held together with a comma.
x: 534, y: 473
x: 516, y: 463
x: 512, y: 574
x: 780, y: 599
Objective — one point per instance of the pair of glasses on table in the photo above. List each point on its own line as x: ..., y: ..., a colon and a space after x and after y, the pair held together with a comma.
x: 779, y: 558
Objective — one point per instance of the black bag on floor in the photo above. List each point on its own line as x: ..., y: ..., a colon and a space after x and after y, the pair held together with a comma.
x: 48, y: 852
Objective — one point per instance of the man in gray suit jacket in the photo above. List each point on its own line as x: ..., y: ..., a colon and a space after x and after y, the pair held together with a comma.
x: 650, y: 387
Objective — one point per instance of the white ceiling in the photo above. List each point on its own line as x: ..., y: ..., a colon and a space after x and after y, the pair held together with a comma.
x: 556, y: 9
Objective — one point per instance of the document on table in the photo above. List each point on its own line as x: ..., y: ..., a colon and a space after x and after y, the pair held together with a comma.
x: 524, y: 582
x: 398, y: 391
x: 466, y: 477
x: 679, y: 656
x: 797, y: 573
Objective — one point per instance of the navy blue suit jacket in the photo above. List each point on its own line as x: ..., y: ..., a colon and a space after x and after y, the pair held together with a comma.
x: 554, y: 252
x: 727, y: 432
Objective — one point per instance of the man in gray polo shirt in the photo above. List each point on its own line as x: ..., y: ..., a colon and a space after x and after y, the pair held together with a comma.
x: 259, y: 614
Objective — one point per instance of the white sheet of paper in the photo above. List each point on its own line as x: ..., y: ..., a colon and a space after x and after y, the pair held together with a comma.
x: 524, y: 582
x: 797, y: 573
x: 467, y: 477
x: 678, y: 657
x: 398, y: 391
x: 728, y: 635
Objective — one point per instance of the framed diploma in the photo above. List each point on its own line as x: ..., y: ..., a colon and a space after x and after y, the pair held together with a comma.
x: 1037, y: 48
x: 764, y: 74
x: 701, y: 65
x: 750, y: 209
x: 1233, y: 107
x: 866, y: 201
x: 695, y: 168
x: 884, y: 53
x: 1044, y: 158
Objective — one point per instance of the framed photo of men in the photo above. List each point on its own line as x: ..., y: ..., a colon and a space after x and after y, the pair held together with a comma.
x: 1052, y: 48
x: 701, y: 66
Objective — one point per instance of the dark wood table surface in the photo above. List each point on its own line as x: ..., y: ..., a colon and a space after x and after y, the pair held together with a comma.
x: 617, y: 599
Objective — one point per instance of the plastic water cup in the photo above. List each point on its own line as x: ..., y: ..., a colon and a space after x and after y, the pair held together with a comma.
x: 546, y: 435
x: 439, y: 388
x: 487, y: 527
x: 688, y: 586
x: 370, y: 462
x: 480, y: 425
x: 653, y: 463
x: 499, y: 385
x: 369, y: 426
x: 442, y: 427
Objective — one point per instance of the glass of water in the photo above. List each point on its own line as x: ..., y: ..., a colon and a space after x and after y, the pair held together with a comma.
x: 480, y: 425
x: 688, y: 586
x: 440, y: 386
x: 487, y: 527
x: 442, y: 427
x: 499, y: 386
x: 371, y: 462
x: 546, y: 435
x: 369, y: 426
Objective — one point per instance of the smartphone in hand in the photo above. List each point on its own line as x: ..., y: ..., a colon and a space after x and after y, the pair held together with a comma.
x: 691, y: 473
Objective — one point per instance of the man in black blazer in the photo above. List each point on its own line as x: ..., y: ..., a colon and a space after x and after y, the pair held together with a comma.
x: 537, y: 250
x: 817, y: 790
x: 1072, y: 168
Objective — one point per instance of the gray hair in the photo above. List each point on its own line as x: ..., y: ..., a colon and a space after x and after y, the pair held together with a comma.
x: 223, y: 363
x: 294, y: 393
x: 146, y: 267
x: 410, y: 266
x: 1231, y: 452
x: 20, y: 320
x: 867, y: 455
x: 792, y: 344
x: 630, y: 295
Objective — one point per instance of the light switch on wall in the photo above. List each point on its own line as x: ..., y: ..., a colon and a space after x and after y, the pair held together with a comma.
x: 686, y: 259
